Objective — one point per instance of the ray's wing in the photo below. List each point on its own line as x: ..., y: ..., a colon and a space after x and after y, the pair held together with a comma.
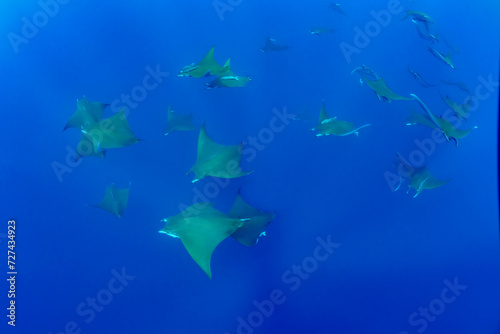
x: 323, y: 115
x: 207, y: 148
x: 432, y: 182
x: 254, y: 222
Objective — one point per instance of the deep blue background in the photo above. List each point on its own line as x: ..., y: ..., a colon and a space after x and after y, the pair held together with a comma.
x: 395, y: 250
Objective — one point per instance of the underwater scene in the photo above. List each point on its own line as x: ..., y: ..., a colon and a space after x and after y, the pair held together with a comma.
x: 250, y: 167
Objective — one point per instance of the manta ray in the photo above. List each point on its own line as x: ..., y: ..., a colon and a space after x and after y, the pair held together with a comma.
x: 331, y: 126
x: 86, y: 113
x: 336, y: 7
x: 321, y: 31
x: 460, y: 85
x: 420, y: 16
x: 365, y: 71
x: 420, y: 178
x: 303, y: 115
x: 111, y: 132
x: 444, y: 58
x: 216, y: 160
x: 439, y: 123
x: 425, y: 34
x: 254, y: 222
x: 178, y: 122
x: 201, y: 230
x: 227, y: 79
x: 461, y: 110
x: 207, y: 65
x: 382, y: 90
x: 271, y: 46
x: 421, y: 81
x: 115, y: 200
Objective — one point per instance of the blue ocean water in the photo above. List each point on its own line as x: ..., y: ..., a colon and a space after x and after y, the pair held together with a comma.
x: 345, y: 253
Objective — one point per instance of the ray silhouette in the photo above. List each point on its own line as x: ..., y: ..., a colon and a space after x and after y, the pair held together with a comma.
x: 86, y: 113
x: 255, y: 222
x: 227, y: 79
x: 271, y: 46
x: 111, y: 132
x: 216, y: 160
x: 207, y: 65
x: 439, y: 123
x: 420, y: 178
x: 178, y: 122
x: 383, y: 91
x: 115, y: 200
x: 201, y: 229
x: 331, y: 126
x: 461, y: 110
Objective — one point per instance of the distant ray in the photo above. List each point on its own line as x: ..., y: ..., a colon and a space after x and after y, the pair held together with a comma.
x: 420, y: 178
x: 115, y: 200
x: 383, y: 91
x: 86, y: 113
x: 336, y: 7
x: 331, y: 126
x: 112, y: 132
x: 207, y: 65
x: 421, y: 81
x: 217, y: 160
x: 178, y: 122
x: 201, y: 229
x: 425, y: 34
x: 439, y: 123
x: 444, y: 58
x: 255, y: 222
x: 366, y: 72
x: 271, y: 46
x: 303, y: 115
x: 460, y: 85
x: 321, y: 31
x: 228, y: 79
x: 461, y: 110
